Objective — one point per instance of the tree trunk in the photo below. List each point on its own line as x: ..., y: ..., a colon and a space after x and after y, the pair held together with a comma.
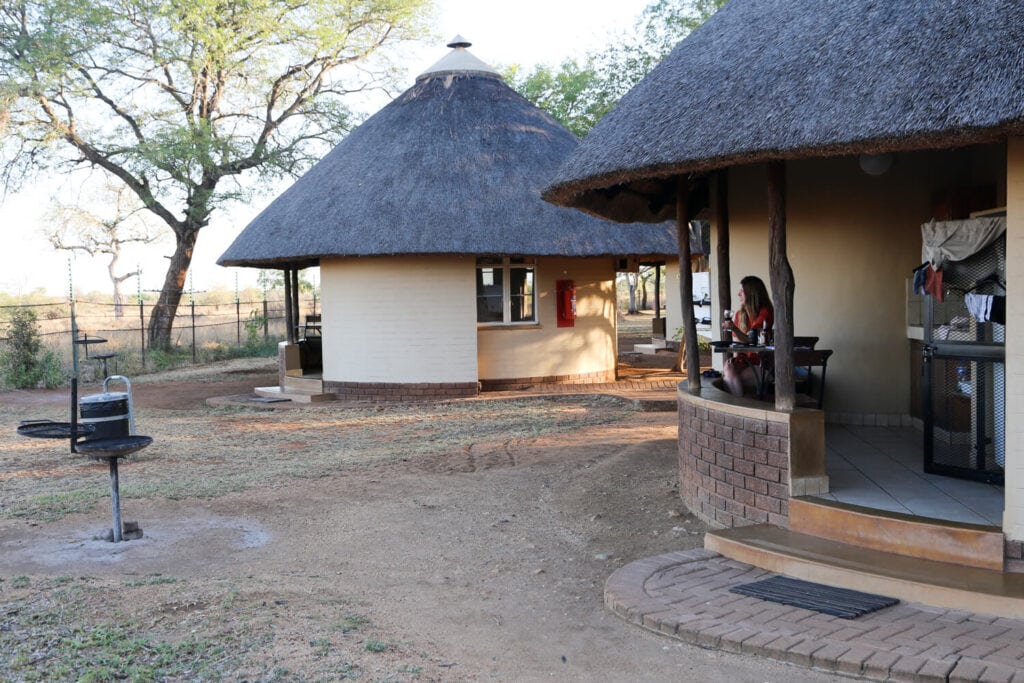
x: 686, y: 286
x: 161, y: 319
x: 782, y: 287
x: 643, y: 295
x: 116, y: 281
x: 722, y: 243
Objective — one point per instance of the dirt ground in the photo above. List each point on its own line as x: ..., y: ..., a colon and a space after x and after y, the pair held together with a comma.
x: 482, y: 562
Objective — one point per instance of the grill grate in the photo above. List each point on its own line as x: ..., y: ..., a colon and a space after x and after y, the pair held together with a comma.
x: 838, y: 602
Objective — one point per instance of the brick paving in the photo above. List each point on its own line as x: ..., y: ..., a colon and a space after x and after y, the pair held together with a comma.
x: 686, y: 595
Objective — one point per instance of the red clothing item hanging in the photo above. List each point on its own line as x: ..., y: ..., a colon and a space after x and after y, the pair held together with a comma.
x: 933, y: 283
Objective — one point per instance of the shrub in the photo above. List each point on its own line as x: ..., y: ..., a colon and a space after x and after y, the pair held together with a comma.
x: 22, y: 360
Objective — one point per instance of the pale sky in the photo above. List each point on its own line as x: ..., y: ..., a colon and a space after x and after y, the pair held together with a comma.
x: 526, y: 32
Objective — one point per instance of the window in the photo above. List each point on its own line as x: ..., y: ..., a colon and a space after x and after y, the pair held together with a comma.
x: 505, y: 293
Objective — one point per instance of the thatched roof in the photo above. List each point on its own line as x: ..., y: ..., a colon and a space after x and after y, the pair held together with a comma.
x: 778, y: 79
x: 454, y: 165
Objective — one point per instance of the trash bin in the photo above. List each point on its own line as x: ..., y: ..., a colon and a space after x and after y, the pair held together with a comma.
x: 108, y: 413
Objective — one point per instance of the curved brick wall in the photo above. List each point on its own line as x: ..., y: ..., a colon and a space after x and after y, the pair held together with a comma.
x: 737, y: 458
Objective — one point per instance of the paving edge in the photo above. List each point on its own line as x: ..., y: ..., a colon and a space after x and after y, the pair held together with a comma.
x: 698, y: 622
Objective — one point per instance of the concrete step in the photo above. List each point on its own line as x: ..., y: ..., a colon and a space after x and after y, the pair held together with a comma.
x: 313, y: 385
x: 652, y: 348
x: 940, y: 584
x: 972, y: 545
x: 295, y: 395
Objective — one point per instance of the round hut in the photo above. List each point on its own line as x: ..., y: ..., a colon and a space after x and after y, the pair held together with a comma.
x: 443, y: 271
x: 831, y: 136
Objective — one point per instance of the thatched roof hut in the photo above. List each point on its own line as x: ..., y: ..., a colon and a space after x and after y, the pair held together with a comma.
x: 776, y: 79
x: 454, y: 165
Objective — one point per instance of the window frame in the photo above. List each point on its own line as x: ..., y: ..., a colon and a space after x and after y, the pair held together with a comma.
x: 505, y: 265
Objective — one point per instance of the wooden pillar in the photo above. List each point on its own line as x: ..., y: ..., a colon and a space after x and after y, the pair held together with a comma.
x: 782, y: 287
x: 289, y: 328
x: 657, y: 290
x: 686, y: 286
x: 295, y: 302
x: 722, y: 244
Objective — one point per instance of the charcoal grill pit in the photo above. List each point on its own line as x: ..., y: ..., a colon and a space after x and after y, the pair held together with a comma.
x: 111, y: 450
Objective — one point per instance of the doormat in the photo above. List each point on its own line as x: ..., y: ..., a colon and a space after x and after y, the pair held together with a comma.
x: 838, y: 602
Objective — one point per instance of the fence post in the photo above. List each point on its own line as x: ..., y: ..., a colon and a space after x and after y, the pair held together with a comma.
x: 238, y: 320
x: 142, y: 332
x: 266, y: 321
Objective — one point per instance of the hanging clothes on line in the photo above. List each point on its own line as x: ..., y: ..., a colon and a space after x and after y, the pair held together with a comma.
x: 933, y: 283
x: 979, y: 306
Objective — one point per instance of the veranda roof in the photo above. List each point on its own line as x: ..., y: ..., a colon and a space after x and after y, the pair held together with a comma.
x: 782, y: 79
x: 454, y: 165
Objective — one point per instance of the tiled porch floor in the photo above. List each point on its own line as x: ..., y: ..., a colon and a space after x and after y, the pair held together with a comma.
x: 882, y: 468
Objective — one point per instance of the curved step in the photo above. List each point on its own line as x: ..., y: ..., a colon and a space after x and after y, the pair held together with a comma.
x: 940, y: 584
x: 972, y: 545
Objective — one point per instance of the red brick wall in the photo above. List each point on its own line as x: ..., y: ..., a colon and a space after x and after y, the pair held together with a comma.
x: 377, y: 391
x: 525, y: 382
x: 733, y: 468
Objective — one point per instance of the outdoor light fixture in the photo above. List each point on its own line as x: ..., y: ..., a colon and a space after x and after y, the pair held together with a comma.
x: 875, y: 164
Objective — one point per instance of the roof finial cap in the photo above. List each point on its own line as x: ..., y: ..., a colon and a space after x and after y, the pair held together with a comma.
x: 459, y: 41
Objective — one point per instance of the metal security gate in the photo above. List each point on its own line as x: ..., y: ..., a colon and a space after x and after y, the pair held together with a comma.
x: 964, y: 383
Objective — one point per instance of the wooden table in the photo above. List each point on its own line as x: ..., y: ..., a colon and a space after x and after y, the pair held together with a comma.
x: 764, y: 369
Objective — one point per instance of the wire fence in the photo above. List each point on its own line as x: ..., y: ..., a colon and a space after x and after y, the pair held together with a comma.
x: 201, y: 332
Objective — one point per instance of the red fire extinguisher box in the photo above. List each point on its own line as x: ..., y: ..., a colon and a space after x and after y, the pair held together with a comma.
x: 565, y: 293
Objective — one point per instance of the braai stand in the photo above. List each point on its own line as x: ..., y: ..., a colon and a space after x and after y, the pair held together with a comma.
x: 111, y: 450
x: 107, y: 437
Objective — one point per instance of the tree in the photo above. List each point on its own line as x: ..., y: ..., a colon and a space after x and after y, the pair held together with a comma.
x: 578, y: 94
x: 185, y: 102
x: 117, y: 221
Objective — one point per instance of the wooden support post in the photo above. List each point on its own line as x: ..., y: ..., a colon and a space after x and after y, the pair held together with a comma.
x: 782, y: 287
x: 289, y: 329
x: 686, y: 286
x: 295, y: 302
x: 722, y: 244
x: 657, y: 291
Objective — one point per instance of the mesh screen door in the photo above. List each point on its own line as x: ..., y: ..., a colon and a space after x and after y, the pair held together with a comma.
x: 964, y: 384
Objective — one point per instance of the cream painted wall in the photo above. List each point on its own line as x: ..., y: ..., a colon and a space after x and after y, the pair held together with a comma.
x: 1013, y: 515
x: 546, y: 350
x: 399, y: 319
x: 853, y: 240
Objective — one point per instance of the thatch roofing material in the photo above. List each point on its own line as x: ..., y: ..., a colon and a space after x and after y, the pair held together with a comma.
x: 454, y: 165
x: 778, y: 79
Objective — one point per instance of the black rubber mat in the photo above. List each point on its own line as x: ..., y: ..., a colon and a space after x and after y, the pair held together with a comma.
x: 838, y: 602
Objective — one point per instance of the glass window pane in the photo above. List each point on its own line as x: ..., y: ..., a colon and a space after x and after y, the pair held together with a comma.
x: 522, y: 295
x: 489, y: 295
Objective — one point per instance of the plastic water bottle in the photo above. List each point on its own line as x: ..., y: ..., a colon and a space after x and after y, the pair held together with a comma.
x: 727, y: 334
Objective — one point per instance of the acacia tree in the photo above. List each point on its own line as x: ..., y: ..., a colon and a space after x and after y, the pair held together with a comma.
x: 179, y: 99
x: 115, y: 221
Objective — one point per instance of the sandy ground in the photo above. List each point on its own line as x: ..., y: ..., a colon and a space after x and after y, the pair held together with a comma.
x: 486, y: 563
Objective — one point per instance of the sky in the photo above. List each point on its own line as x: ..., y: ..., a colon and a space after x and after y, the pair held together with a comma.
x: 527, y: 32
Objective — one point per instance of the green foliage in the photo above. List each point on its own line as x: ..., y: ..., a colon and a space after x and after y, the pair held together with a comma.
x: 188, y: 104
x: 23, y: 361
x: 374, y: 645
x: 579, y: 93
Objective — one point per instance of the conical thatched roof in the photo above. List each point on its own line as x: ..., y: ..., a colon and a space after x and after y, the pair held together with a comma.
x: 777, y: 79
x: 454, y: 165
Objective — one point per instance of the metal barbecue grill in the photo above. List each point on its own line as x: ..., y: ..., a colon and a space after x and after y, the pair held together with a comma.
x: 106, y: 433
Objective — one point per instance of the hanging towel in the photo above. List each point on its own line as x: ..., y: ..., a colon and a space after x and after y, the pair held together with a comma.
x: 979, y: 306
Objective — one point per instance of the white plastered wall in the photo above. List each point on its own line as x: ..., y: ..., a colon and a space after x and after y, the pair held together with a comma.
x: 402, y: 320
x: 1013, y: 515
x: 546, y: 350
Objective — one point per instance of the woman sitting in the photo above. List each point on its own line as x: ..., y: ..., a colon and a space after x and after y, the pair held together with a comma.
x: 755, y: 313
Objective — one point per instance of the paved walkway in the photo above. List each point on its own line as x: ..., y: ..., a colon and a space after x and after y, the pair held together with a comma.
x: 686, y: 595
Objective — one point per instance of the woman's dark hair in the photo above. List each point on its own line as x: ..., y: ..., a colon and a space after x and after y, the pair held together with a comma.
x: 756, y: 296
